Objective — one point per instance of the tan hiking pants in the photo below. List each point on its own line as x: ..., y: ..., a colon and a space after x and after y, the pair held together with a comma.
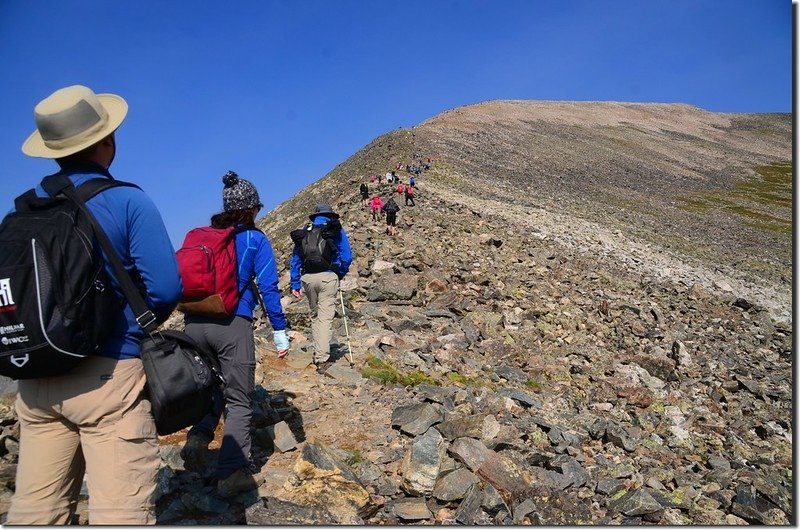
x: 95, y: 419
x: 321, y: 289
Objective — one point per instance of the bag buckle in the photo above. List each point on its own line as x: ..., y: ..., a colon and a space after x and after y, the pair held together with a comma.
x: 146, y: 319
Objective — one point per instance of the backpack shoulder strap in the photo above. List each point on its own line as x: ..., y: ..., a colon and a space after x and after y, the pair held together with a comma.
x: 55, y: 184
x: 60, y: 183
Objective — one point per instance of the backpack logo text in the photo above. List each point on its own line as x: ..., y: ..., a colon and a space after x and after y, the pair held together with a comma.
x: 6, y: 300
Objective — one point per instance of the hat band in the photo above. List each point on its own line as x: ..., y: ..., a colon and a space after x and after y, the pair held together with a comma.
x: 71, y: 126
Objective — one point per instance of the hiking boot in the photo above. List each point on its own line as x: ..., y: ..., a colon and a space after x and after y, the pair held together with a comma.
x: 194, y: 453
x: 241, y: 480
x: 323, y: 367
x: 318, y: 360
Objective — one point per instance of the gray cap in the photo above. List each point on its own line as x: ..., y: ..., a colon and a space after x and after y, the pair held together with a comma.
x: 324, y: 209
x: 239, y: 194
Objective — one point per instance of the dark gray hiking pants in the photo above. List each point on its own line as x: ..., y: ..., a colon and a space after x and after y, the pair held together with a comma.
x: 233, y: 342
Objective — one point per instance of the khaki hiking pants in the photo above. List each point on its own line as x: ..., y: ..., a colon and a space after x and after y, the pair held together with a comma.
x: 321, y: 288
x: 94, y: 419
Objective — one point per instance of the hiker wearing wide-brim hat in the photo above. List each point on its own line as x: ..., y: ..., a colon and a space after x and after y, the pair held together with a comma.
x: 97, y: 417
x: 324, y: 209
x: 72, y: 119
x: 321, y: 258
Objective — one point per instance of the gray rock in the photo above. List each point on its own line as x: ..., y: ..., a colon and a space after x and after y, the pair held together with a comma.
x: 673, y: 499
x: 609, y: 486
x: 171, y: 456
x: 470, y: 507
x: 8, y: 386
x: 172, y: 513
x: 368, y: 473
x: 571, y: 469
x: 619, y: 436
x: 597, y: 428
x: 282, y: 437
x: 381, y: 265
x: 492, y: 501
x: 204, y: 502
x: 320, y: 456
x: 524, y: 398
x: 523, y: 510
x: 551, y: 479
x: 505, y: 475
x: 470, y: 452
x: 719, y: 462
x: 659, y: 366
x: 633, y: 503
x: 422, y: 463
x: 163, y: 483
x: 417, y: 418
x: 511, y: 374
x: 437, y: 394
x: 340, y: 492
x: 412, y: 509
x: 466, y: 426
x: 454, y: 485
x: 774, y: 492
x: 275, y: 512
x: 393, y: 287
x: 342, y: 373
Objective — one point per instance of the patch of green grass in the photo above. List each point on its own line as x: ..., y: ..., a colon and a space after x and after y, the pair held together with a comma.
x: 383, y: 371
x: 533, y: 385
x: 764, y: 202
x: 468, y: 381
x: 355, y: 457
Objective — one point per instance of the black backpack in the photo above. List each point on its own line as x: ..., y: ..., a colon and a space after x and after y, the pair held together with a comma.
x: 57, y: 304
x: 316, y: 245
x: 364, y: 188
x: 391, y: 207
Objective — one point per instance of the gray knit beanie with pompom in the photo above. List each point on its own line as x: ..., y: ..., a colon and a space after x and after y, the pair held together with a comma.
x: 239, y: 194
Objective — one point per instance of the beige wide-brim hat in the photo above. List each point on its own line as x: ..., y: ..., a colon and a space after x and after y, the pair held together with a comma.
x: 72, y: 119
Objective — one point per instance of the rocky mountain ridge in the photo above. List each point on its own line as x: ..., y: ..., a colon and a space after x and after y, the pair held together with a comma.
x: 551, y: 339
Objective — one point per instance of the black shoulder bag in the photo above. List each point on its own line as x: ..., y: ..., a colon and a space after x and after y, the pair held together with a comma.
x: 180, y: 374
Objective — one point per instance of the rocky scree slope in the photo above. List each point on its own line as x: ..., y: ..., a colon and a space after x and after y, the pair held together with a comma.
x: 514, y: 362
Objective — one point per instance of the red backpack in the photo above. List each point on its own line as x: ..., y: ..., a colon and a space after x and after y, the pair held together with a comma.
x: 207, y: 265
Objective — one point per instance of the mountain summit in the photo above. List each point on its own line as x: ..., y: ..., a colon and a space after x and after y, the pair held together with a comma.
x: 585, y: 318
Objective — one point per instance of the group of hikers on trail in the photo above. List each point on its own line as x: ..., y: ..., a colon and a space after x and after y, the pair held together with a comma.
x: 390, y: 208
x: 91, y: 412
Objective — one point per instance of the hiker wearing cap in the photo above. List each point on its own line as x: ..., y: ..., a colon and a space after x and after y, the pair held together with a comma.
x: 231, y: 338
x: 96, y: 418
x: 321, y: 258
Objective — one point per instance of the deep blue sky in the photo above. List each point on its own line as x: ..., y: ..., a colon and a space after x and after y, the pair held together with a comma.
x: 282, y: 91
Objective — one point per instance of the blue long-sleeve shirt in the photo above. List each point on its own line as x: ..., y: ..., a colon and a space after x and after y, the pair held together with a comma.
x: 256, y: 260
x: 342, y: 255
x: 137, y: 233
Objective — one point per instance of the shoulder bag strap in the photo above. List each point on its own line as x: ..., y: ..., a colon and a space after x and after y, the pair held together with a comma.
x: 60, y: 183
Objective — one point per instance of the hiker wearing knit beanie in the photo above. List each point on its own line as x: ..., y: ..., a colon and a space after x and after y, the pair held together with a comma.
x: 239, y: 194
x: 231, y: 338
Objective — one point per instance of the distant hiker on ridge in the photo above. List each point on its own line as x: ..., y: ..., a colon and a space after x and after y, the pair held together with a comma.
x: 391, y: 208
x: 376, y: 205
x: 409, y: 194
x: 321, y: 258
x: 364, y: 189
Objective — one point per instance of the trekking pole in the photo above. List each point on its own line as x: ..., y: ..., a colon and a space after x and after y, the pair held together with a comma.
x: 346, y: 331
